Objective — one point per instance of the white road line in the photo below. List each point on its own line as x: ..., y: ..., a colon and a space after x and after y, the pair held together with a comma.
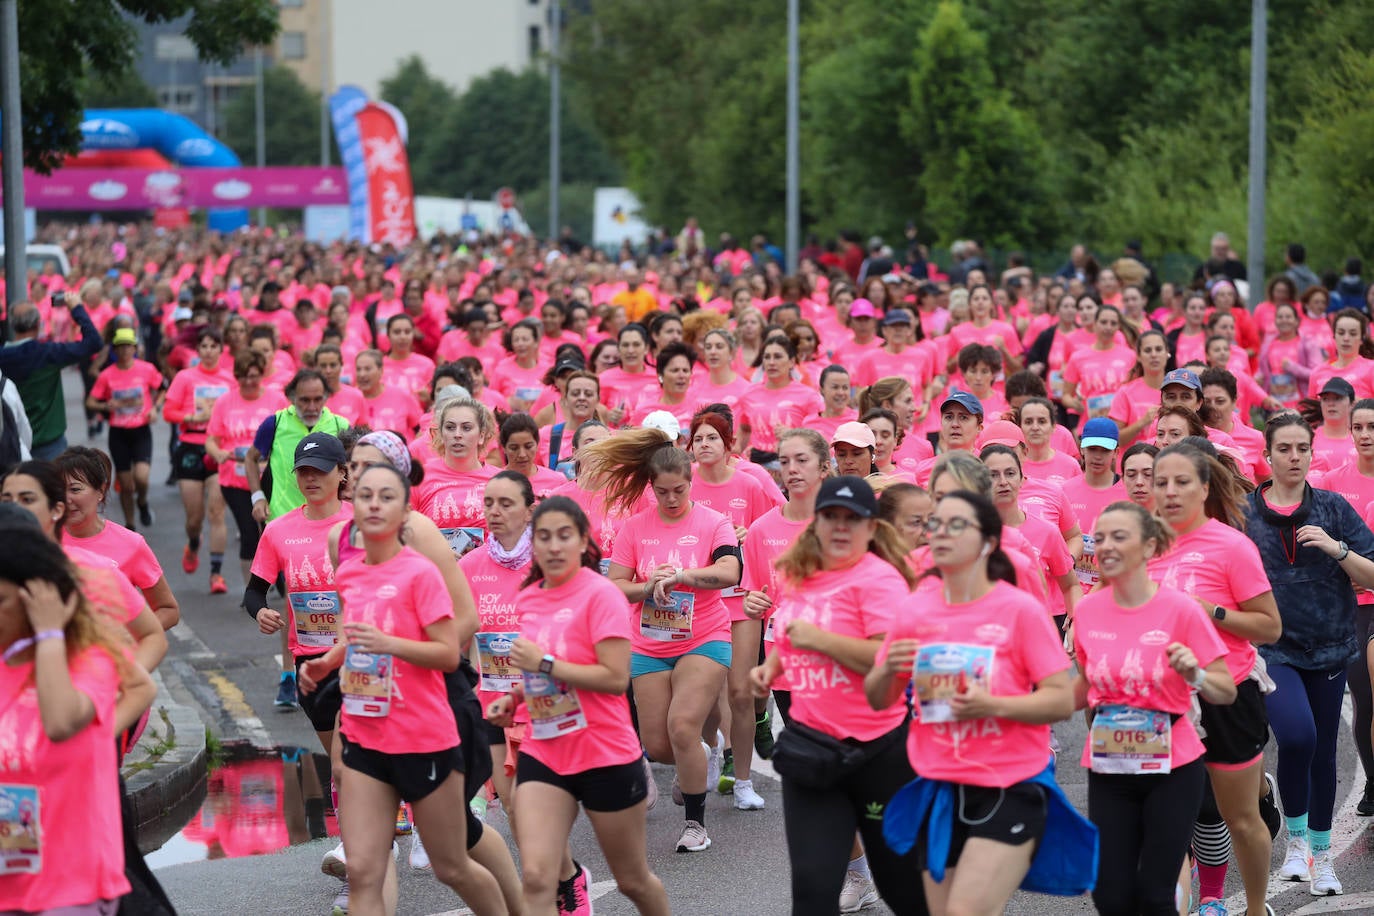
x: 1345, y: 904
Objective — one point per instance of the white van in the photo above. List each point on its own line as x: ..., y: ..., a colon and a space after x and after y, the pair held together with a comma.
x: 39, y: 256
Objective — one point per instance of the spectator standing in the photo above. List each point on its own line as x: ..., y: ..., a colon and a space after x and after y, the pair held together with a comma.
x: 36, y: 369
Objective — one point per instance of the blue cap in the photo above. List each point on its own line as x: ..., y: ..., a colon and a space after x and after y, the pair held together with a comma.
x: 1101, y: 432
x: 965, y: 400
x: 898, y: 316
x: 1185, y: 377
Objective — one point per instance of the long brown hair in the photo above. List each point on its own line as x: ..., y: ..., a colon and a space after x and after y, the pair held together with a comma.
x: 630, y: 461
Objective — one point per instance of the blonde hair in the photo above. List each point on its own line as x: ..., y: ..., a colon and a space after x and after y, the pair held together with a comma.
x: 486, y: 423
x: 628, y: 462
x: 803, y: 559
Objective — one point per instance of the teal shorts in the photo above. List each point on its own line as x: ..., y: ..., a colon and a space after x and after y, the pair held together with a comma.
x: 717, y: 650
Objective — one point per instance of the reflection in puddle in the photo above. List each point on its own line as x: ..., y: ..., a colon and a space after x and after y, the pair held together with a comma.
x: 258, y: 801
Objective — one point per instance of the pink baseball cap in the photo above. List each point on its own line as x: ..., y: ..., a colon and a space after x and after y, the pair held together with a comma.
x: 854, y: 433
x: 1002, y: 432
x: 862, y: 308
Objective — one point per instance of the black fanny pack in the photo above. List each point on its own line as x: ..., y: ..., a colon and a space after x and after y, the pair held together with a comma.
x: 816, y: 760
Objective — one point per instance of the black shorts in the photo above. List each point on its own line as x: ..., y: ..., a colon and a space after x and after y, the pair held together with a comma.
x: 612, y: 788
x: 188, y: 462
x: 1235, y: 734
x: 322, y: 704
x: 130, y: 446
x: 414, y: 776
x: 1011, y: 816
x: 472, y: 730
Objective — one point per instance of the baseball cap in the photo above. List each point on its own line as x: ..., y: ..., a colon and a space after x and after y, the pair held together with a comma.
x: 124, y: 336
x: 896, y: 316
x: 965, y: 400
x: 1100, y: 432
x: 848, y: 492
x: 186, y: 294
x: 181, y: 314
x: 1002, y: 432
x: 1185, y: 377
x: 271, y: 286
x: 1339, y: 386
x: 566, y: 364
x: 320, y: 451
x: 664, y: 422
x: 862, y: 308
x: 854, y: 433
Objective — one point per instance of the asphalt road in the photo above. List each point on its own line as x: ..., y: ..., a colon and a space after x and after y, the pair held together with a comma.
x: 222, y: 666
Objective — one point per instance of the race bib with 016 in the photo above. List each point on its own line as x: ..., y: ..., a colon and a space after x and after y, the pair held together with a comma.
x: 942, y: 670
x: 462, y: 540
x: 21, y: 840
x: 366, y: 683
x: 554, y: 707
x: 499, y: 674
x: 1131, y: 740
x: 316, y: 616
x: 671, y: 622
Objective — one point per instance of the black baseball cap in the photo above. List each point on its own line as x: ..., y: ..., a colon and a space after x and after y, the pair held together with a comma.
x: 848, y: 492
x: 568, y: 363
x: 1338, y: 386
x: 320, y: 451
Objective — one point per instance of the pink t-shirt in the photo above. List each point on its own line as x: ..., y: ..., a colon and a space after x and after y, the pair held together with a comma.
x: 857, y: 602
x: 234, y: 422
x: 194, y: 391
x: 453, y: 499
x: 1124, y: 654
x: 1058, y: 469
x: 765, y: 410
x: 604, y: 524
x: 704, y: 392
x: 348, y: 402
x: 298, y: 548
x: 1328, y: 453
x: 742, y: 499
x: 516, y: 382
x: 1048, y: 503
x: 850, y: 353
x: 1192, y: 566
x: 1283, y: 385
x: 768, y: 538
x: 129, y: 391
x: 1045, y: 546
x: 646, y: 542
x: 412, y: 374
x: 1190, y: 347
x: 569, y: 622
x: 105, y: 587
x: 914, y: 451
x: 915, y: 364
x: 1134, y: 402
x: 393, y: 409
x: 1088, y: 502
x: 61, y: 798
x: 1004, y: 640
x: 826, y: 426
x: 652, y: 400
x: 127, y: 549
x: 1099, y: 375
x: 401, y: 597
x: 962, y: 335
x: 1360, y: 375
x: 494, y: 588
x: 619, y: 387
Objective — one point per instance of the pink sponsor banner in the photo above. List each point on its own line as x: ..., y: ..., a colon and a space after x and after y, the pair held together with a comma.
x: 142, y: 189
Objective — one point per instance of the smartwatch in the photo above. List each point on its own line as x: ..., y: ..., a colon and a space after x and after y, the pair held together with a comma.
x: 546, y: 665
x: 1218, y: 612
x: 1345, y: 551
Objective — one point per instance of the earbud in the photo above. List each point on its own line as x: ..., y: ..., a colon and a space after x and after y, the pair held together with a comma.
x: 987, y: 549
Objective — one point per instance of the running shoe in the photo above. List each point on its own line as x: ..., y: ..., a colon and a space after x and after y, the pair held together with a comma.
x: 763, y: 736
x: 334, y: 863
x: 145, y: 515
x: 1324, y: 880
x: 857, y: 892
x: 403, y: 824
x: 677, y: 792
x: 190, y: 560
x: 1297, y: 861
x: 652, y: 798
x: 715, y: 761
x: 286, y: 692
x: 341, y: 901
x: 726, y: 784
x: 573, y: 899
x: 1366, y: 806
x: 1269, y: 808
x: 217, y: 584
x: 1211, y: 907
x: 746, y: 799
x: 694, y: 838
x: 419, y: 859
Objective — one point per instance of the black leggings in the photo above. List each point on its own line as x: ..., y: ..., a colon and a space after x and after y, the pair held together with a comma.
x: 1145, y: 824
x: 240, y: 503
x: 1357, y: 679
x: 820, y: 826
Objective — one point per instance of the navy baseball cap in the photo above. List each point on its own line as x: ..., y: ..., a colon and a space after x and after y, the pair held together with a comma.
x: 965, y: 400
x: 1185, y: 377
x: 848, y: 492
x: 320, y: 451
x: 1338, y: 386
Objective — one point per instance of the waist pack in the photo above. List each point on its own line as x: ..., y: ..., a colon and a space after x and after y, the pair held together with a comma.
x: 815, y: 760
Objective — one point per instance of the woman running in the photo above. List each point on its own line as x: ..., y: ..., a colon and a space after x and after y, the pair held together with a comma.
x: 520, y: 443
x: 384, y: 406
x: 579, y: 402
x: 721, y: 384
x: 841, y: 581
x: 573, y: 654
x: 451, y: 494
x: 1137, y: 474
x: 984, y: 735
x: 519, y: 377
x: 397, y: 624
x: 1133, y: 408
x: 1315, y: 549
x: 403, y: 368
x: 130, y: 392
x: 779, y: 403
x: 1202, y: 504
x: 671, y: 560
x: 673, y: 365
x: 1142, y: 651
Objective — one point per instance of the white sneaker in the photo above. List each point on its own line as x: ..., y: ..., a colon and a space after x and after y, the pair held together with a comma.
x: 715, y: 762
x: 1297, y: 861
x: 334, y: 863
x: 694, y: 838
x: 746, y: 799
x: 419, y: 859
x: 1324, y: 881
x: 857, y: 893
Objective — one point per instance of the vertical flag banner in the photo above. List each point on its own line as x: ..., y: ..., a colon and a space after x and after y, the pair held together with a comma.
x: 390, y: 196
x: 344, y: 106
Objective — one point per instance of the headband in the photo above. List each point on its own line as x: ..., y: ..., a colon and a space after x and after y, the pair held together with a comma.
x: 391, y: 446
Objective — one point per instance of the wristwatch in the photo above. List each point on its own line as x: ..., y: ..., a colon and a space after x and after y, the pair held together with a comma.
x: 1345, y: 551
x: 1218, y: 612
x: 546, y: 665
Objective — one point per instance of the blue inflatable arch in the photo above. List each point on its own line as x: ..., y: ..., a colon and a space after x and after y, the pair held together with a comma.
x: 174, y: 136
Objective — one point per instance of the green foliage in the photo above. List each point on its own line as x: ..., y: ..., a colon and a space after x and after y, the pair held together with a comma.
x: 291, y: 118
x: 575, y: 208
x: 127, y: 90
x: 57, y: 37
x: 424, y: 99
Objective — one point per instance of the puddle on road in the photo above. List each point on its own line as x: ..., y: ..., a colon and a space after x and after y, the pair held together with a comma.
x: 258, y: 801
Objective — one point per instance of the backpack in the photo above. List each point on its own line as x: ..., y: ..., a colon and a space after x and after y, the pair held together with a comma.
x: 11, y: 447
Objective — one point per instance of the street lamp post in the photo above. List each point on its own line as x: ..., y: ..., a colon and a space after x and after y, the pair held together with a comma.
x: 16, y: 261
x: 1259, y: 68
x: 259, y: 123
x: 555, y: 118
x: 793, y: 245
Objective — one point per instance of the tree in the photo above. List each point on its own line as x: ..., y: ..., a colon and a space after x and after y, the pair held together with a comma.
x: 291, y: 118
x: 129, y: 90
x: 424, y: 100
x: 57, y: 38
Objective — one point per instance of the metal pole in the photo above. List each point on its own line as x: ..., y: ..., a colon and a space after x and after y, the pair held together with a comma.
x: 259, y: 123
x: 793, y: 245
x: 1259, y: 67
x: 16, y: 270
x: 324, y: 82
x: 555, y: 118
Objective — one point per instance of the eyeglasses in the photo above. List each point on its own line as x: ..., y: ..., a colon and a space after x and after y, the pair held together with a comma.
x: 955, y: 526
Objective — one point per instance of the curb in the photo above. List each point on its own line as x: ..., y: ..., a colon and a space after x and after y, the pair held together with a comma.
x: 166, y: 784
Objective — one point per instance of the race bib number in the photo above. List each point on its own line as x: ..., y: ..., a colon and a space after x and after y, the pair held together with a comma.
x: 942, y: 670
x: 463, y: 540
x: 1099, y: 404
x: 127, y: 402
x: 21, y: 842
x: 241, y: 461
x: 530, y: 394
x: 493, y: 654
x: 670, y: 623
x: 604, y: 566
x: 554, y: 707
x: 1086, y: 568
x: 366, y: 683
x: 1056, y: 383
x: 1130, y: 740
x: 316, y: 617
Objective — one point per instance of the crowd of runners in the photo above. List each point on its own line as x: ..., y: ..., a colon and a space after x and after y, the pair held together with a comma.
x: 530, y: 522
